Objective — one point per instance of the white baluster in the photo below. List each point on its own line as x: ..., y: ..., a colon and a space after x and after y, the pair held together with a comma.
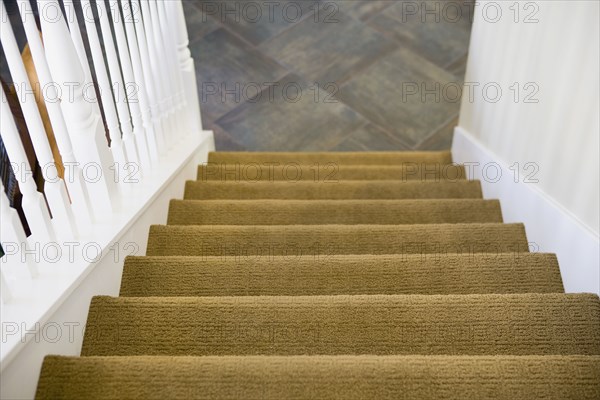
x: 118, y: 85
x: 138, y: 70
x: 133, y: 87
x: 186, y: 64
x: 54, y: 187
x: 117, y: 147
x: 83, y: 121
x: 34, y: 205
x: 163, y: 76
x: 73, y: 174
x: 75, y: 31
x: 151, y: 83
x: 170, y: 46
x: 12, y: 231
x: 151, y: 77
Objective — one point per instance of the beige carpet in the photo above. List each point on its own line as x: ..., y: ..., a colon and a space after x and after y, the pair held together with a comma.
x: 328, y: 173
x: 347, y: 212
x: 341, y: 190
x: 322, y: 377
x: 339, y: 274
x: 393, y: 280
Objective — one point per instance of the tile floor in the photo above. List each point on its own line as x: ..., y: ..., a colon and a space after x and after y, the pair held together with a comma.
x: 329, y: 74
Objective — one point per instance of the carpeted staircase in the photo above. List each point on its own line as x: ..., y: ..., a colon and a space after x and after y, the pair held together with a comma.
x: 335, y: 276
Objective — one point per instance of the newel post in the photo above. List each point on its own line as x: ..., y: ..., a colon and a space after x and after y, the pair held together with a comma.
x: 186, y: 63
x: 83, y: 121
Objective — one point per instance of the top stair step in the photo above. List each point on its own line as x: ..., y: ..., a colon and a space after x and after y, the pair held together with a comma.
x: 346, y: 158
x: 328, y: 172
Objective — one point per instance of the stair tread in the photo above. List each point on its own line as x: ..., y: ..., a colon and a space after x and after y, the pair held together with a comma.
x: 309, y: 212
x: 335, y: 274
x: 360, y: 158
x: 332, y: 377
x: 348, y: 189
x: 328, y: 173
x: 291, y: 240
x: 509, y: 324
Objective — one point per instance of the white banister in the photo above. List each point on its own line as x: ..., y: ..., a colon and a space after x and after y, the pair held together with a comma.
x: 75, y: 31
x: 170, y: 48
x: 117, y: 85
x: 161, y: 73
x: 83, y: 121
x: 43, y: 275
x: 153, y: 83
x: 131, y: 86
x: 54, y: 186
x: 12, y: 232
x: 129, y: 21
x: 73, y: 175
x: 108, y: 105
x: 186, y: 64
x: 34, y: 205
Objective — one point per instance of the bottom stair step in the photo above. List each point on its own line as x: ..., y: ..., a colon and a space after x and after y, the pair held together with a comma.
x: 508, y: 324
x: 338, y: 274
x: 321, y: 377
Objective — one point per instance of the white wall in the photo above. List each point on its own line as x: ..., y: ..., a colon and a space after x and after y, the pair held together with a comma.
x: 557, y: 54
x: 560, y: 133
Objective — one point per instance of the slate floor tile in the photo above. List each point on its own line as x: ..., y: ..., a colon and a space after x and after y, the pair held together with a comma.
x: 441, y: 138
x: 227, y: 71
x: 328, y: 50
x: 359, y: 9
x: 369, y: 137
x: 198, y: 23
x: 393, y: 94
x: 440, y: 36
x: 288, y: 117
x: 257, y: 21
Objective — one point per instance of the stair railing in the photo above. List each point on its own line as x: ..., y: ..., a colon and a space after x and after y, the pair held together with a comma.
x: 116, y: 103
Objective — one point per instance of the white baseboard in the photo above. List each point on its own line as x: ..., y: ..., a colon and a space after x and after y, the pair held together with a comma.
x: 549, y: 226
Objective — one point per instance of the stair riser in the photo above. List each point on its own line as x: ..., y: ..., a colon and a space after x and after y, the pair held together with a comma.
x: 342, y: 190
x: 343, y: 377
x: 454, y: 325
x: 291, y: 212
x: 344, y: 158
x: 337, y: 275
x: 309, y: 240
x: 328, y: 173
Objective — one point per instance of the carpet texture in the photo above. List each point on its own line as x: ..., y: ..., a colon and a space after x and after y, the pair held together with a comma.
x: 328, y: 173
x: 308, y: 240
x: 380, y: 158
x: 341, y: 190
x: 335, y: 276
x: 322, y: 377
x: 348, y: 212
x: 338, y: 274
x: 507, y: 324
